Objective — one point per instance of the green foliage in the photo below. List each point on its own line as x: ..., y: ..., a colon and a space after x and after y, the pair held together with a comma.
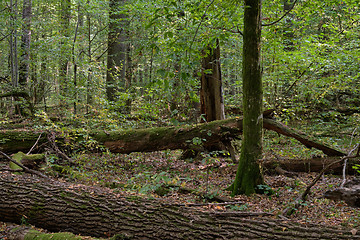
x: 310, y: 59
x: 147, y: 182
x: 243, y: 207
x: 264, y: 189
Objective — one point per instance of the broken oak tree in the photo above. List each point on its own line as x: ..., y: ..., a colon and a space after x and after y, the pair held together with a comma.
x: 101, y: 212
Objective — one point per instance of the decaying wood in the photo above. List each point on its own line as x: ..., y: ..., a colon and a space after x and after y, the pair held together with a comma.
x: 306, y: 140
x: 22, y: 166
x: 303, y: 196
x: 59, y: 206
x: 350, y: 193
x: 310, y: 165
x: 162, y: 138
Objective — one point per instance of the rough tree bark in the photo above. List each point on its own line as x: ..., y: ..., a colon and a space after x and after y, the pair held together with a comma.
x: 59, y: 206
x: 211, y: 91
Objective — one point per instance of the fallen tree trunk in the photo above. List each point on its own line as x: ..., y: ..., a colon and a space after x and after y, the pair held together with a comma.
x: 311, y: 165
x: 60, y: 206
x: 162, y: 138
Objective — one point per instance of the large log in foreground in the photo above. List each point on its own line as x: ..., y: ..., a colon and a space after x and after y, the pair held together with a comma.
x: 60, y: 206
x: 162, y: 138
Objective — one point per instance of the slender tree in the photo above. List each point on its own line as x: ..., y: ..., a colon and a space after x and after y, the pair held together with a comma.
x: 24, y: 66
x: 13, y: 44
x: 248, y: 174
x: 65, y: 15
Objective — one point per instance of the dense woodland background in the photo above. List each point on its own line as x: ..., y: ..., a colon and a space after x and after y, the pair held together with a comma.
x: 74, y: 67
x: 56, y: 52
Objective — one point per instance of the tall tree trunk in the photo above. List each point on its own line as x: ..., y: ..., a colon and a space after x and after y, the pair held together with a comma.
x: 24, y: 66
x: 211, y: 92
x: 65, y: 15
x: 117, y: 48
x: 60, y: 206
x: 288, y: 34
x: 74, y: 60
x: 248, y: 175
x: 89, y: 87
x: 13, y: 44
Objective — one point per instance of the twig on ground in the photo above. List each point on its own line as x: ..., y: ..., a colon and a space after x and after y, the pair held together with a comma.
x: 290, y: 209
x: 204, y: 204
x: 25, y: 169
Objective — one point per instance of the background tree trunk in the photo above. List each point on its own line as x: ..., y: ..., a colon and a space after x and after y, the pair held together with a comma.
x: 24, y: 66
x: 117, y: 50
x: 211, y: 91
x: 65, y: 15
x: 14, y: 69
x: 248, y: 175
x: 59, y: 206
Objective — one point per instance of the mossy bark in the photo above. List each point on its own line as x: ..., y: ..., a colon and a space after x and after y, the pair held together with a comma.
x: 32, y: 161
x: 157, y: 139
x: 60, y: 206
x: 248, y: 175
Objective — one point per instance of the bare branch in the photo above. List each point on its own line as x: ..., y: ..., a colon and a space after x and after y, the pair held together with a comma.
x: 34, y: 144
x: 302, y: 198
x: 269, y: 24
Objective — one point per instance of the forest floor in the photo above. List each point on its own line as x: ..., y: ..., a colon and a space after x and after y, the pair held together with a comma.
x: 145, y: 173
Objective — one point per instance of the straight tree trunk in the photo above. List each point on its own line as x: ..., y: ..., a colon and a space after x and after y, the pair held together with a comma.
x: 65, y: 15
x: 24, y: 67
x: 248, y: 175
x: 13, y: 44
x: 117, y: 48
x: 100, y: 212
x: 211, y: 91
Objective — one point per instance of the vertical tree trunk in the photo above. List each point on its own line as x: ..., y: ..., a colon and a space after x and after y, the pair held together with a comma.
x: 89, y: 96
x: 288, y: 34
x: 24, y: 66
x: 248, y: 175
x: 74, y: 61
x: 128, y: 75
x: 211, y: 92
x: 13, y: 44
x: 175, y: 96
x: 65, y: 7
x: 117, y: 48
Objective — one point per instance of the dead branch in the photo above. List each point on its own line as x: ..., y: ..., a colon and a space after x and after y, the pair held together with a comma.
x: 302, y: 198
x: 34, y: 145
x: 25, y: 169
